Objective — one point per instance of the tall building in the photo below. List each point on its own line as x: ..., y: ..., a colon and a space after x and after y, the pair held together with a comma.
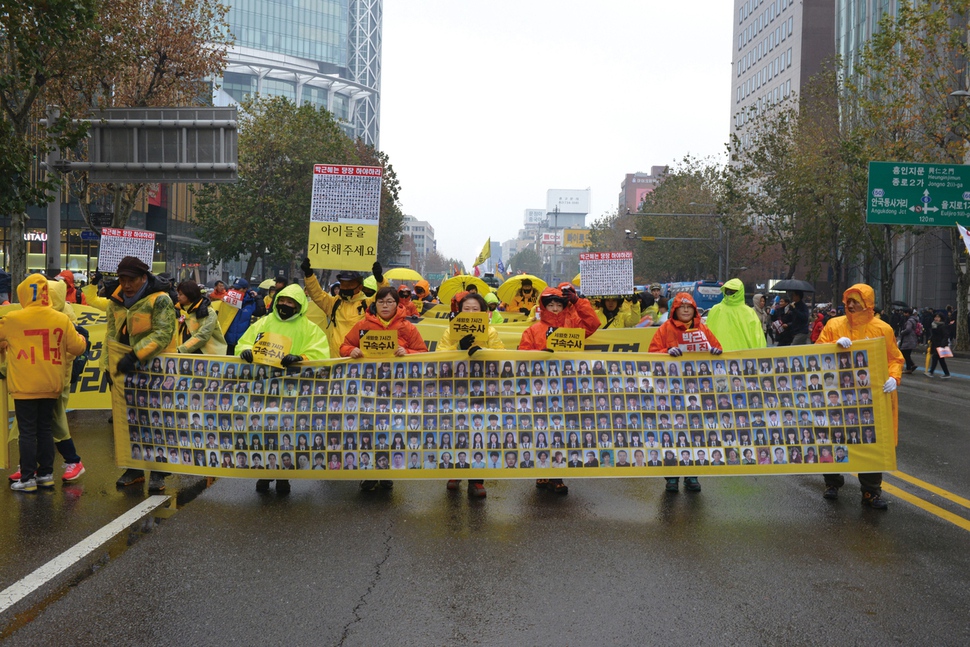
x: 323, y: 52
x: 636, y: 186
x: 422, y: 233
x: 778, y: 46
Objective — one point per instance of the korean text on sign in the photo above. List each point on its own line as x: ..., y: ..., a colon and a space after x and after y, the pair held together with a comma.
x: 606, y: 273
x: 471, y: 323
x: 118, y: 243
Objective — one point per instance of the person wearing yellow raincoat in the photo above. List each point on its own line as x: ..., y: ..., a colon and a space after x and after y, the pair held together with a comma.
x: 349, y: 306
x: 860, y: 322
x: 615, y: 312
x: 734, y: 323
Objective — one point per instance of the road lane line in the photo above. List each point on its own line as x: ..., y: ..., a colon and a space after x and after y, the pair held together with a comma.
x: 929, y: 507
x: 949, y: 496
x: 19, y: 590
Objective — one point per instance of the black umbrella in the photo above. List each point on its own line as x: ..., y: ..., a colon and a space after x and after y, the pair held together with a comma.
x: 792, y: 284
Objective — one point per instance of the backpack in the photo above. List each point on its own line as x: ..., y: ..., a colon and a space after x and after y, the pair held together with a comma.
x: 77, y: 367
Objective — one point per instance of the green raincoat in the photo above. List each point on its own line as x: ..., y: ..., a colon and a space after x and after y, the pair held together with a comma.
x: 308, y: 339
x: 735, y: 324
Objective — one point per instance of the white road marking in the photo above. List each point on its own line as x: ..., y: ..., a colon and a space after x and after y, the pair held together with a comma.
x: 19, y: 590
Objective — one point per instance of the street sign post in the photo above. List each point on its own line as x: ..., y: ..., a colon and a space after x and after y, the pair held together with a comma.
x: 911, y: 193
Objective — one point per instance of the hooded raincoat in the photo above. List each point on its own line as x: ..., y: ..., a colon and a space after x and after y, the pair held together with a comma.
x: 408, y: 336
x: 307, y: 339
x: 496, y: 317
x: 73, y: 295
x: 576, y: 315
x: 627, y: 315
x: 736, y: 326
x: 38, y: 342
x: 689, y: 337
x: 761, y: 313
x: 148, y: 326
x: 866, y: 325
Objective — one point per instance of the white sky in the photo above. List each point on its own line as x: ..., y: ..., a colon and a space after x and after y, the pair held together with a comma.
x: 486, y: 105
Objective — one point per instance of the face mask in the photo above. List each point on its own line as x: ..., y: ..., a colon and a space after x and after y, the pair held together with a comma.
x: 285, y: 311
x: 346, y: 294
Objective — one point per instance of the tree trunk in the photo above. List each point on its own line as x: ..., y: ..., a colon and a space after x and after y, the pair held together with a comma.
x: 18, y: 252
x: 963, y: 287
x: 251, y: 266
x: 886, y: 268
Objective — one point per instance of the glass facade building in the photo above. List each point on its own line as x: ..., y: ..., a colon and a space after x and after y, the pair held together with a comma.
x: 323, y: 52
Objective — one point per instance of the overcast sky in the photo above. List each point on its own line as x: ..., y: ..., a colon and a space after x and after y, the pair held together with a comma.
x: 486, y: 105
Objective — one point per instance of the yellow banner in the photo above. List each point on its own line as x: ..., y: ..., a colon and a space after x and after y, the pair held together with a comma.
x: 471, y: 323
x: 611, y: 340
x: 378, y: 343
x: 567, y: 340
x: 270, y: 348
x: 505, y: 414
x: 345, y: 247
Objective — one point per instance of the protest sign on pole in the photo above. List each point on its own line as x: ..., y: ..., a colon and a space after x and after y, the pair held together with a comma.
x: 606, y: 273
x: 345, y: 210
x: 118, y: 243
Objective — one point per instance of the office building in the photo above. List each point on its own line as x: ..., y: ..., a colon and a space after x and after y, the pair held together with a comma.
x: 636, y: 186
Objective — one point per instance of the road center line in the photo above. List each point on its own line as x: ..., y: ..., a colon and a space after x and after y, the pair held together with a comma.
x: 19, y: 590
x: 949, y: 496
x: 929, y: 507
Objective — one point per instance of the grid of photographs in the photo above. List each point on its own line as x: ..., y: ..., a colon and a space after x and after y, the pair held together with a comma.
x: 425, y: 414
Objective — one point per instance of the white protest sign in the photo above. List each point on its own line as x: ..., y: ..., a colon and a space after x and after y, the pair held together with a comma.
x: 118, y: 243
x: 606, y: 273
x: 345, y: 210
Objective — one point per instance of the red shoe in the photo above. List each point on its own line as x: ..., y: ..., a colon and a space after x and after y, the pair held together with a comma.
x: 73, y: 471
x: 15, y: 476
x: 476, y: 490
x: 453, y: 484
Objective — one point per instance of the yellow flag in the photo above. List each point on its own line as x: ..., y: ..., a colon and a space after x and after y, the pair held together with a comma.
x: 485, y: 254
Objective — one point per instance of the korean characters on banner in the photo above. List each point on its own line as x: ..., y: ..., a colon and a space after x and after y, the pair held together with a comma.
x: 606, y: 273
x: 118, y: 243
x: 509, y: 414
x: 569, y: 340
x: 345, y: 209
x: 378, y: 343
x: 471, y: 323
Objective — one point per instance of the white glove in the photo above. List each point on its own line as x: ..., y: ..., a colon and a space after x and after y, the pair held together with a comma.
x: 844, y: 342
x: 889, y: 386
x: 716, y: 351
x: 674, y: 352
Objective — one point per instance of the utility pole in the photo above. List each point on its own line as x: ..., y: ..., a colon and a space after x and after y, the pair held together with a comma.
x: 53, y: 247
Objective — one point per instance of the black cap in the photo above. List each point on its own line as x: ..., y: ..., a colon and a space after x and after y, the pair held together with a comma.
x: 131, y: 266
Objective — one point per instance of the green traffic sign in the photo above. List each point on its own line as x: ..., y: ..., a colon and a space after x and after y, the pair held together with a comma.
x: 911, y: 193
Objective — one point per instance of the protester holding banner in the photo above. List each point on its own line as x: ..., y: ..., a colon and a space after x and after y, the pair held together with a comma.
x: 61, y: 431
x: 383, y: 315
x: 422, y: 290
x: 561, y: 308
x: 736, y: 326
x: 350, y: 304
x: 405, y: 303
x: 36, y: 340
x: 469, y: 302
x: 283, y: 337
x: 525, y: 298
x: 198, y: 328
x: 683, y: 333
x: 492, y: 301
x: 614, y: 312
x: 861, y: 322
x: 141, y: 315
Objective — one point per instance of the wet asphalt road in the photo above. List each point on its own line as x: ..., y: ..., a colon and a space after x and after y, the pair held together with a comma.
x: 749, y: 561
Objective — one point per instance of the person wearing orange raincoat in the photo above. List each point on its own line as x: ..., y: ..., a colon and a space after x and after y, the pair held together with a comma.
x: 860, y: 322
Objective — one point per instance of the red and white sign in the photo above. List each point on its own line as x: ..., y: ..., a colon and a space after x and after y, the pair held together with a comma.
x: 234, y: 298
x: 549, y: 238
x: 605, y: 256
x: 606, y: 273
x: 118, y: 243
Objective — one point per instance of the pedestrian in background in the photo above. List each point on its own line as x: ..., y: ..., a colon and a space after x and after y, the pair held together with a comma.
x: 939, y: 338
x: 908, y: 339
x: 37, y: 342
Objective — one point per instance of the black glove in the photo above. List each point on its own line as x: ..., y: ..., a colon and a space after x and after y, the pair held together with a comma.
x: 378, y: 272
x: 570, y: 293
x: 305, y: 266
x: 106, y: 378
x: 291, y: 359
x: 525, y: 311
x: 548, y: 350
x: 473, y: 350
x: 466, y: 342
x: 127, y: 363
x: 95, y: 278
x: 246, y: 356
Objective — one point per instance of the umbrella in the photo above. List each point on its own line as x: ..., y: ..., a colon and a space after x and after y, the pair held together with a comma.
x: 456, y: 284
x: 792, y: 284
x: 506, y: 291
x: 575, y: 280
x: 267, y: 284
x: 402, y: 274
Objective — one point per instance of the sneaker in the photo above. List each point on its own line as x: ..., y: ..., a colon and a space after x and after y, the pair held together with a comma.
x: 15, y: 476
x: 557, y: 486
x: 476, y: 490
x: 368, y: 486
x: 928, y: 374
x: 874, y: 501
x: 47, y: 480
x: 542, y: 484
x: 24, y: 486
x: 156, y: 482
x: 909, y: 371
x: 282, y: 486
x: 262, y: 485
x: 944, y: 377
x: 691, y: 484
x: 453, y: 484
x: 386, y: 485
x: 130, y: 477
x: 72, y: 471
x: 673, y: 485
x: 831, y: 493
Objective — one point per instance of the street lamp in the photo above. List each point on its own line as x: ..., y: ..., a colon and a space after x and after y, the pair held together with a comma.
x: 630, y: 234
